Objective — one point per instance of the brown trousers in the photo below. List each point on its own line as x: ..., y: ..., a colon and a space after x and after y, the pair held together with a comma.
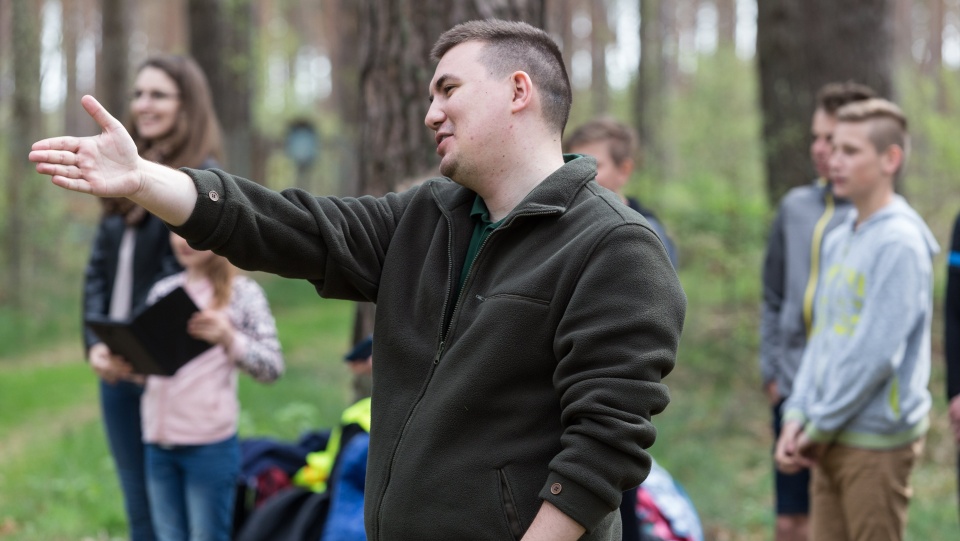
x: 862, y: 494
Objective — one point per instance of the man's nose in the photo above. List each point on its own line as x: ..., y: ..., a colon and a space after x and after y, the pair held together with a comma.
x: 434, y: 117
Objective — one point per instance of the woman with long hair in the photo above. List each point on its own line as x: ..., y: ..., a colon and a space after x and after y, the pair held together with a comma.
x: 172, y: 121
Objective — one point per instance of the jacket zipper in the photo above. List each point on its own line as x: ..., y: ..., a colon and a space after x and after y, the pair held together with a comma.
x: 815, y: 249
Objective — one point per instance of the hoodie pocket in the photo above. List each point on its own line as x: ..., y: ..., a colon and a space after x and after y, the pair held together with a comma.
x: 509, y: 506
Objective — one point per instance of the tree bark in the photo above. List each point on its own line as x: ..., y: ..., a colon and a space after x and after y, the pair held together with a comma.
x: 394, y: 41
x: 560, y: 24
x: 72, y: 30
x: 25, y: 30
x: 726, y: 23
x: 802, y: 45
x: 113, y: 73
x: 903, y: 32
x: 599, y: 37
x: 221, y: 33
x: 648, y: 102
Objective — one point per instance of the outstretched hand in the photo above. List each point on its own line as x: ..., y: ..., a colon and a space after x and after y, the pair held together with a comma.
x: 106, y: 165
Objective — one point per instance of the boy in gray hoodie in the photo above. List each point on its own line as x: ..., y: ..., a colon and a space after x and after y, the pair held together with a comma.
x: 858, y: 411
x: 790, y: 277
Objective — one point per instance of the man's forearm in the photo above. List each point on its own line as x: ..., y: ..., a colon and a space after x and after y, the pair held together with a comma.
x: 167, y: 193
x: 552, y: 524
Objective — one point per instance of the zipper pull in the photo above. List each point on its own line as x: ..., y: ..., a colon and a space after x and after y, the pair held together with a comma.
x: 436, y: 358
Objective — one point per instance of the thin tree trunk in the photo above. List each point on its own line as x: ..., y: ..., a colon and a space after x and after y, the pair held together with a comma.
x: 726, y: 23
x: 220, y: 39
x: 25, y: 23
x: 934, y: 65
x: 599, y: 37
x: 648, y: 105
x: 72, y: 29
x: 113, y: 73
x: 903, y: 32
x: 565, y: 27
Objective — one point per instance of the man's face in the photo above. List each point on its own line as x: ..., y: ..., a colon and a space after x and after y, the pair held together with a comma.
x: 469, y: 111
x: 856, y: 168
x: 609, y: 175
x: 821, y: 129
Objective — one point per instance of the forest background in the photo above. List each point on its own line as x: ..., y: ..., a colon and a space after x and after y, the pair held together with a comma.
x: 721, y: 92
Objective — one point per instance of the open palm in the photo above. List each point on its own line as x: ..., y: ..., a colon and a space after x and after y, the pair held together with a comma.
x: 106, y: 165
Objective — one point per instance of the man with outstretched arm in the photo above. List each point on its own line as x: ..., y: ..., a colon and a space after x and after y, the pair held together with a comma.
x: 516, y: 398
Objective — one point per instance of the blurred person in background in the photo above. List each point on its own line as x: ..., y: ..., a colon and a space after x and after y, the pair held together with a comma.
x: 859, y: 409
x: 790, y: 277
x: 615, y: 145
x: 190, y: 418
x: 172, y: 121
x: 951, y: 330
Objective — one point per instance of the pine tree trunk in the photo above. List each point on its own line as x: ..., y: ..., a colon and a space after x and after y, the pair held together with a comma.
x: 648, y: 104
x: 802, y: 45
x: 394, y: 41
x: 221, y: 32
x: 599, y: 37
x: 726, y: 23
x: 113, y: 71
x: 25, y: 25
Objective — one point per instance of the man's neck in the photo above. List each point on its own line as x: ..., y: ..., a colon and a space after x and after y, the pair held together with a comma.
x: 510, y: 183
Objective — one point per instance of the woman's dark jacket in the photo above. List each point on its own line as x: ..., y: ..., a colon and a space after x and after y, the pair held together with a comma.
x: 152, y: 259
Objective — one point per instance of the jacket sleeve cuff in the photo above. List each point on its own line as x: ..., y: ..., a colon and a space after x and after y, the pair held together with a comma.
x: 794, y: 415
x: 206, y: 216
x: 817, y: 435
x: 575, y: 501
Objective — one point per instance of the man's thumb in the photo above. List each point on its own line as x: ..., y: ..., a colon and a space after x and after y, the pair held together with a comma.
x: 99, y: 113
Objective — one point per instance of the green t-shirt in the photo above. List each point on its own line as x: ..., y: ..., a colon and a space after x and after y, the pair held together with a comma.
x: 482, y: 227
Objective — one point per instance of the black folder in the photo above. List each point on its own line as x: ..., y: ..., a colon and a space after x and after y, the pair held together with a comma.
x: 155, y: 340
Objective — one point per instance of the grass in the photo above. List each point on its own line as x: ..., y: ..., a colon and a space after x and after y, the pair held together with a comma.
x: 56, y: 477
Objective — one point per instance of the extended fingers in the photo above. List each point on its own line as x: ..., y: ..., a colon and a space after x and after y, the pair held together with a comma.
x: 58, y: 157
x: 100, y: 114
x: 66, y: 143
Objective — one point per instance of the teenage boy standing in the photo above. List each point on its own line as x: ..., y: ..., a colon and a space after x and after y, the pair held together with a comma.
x: 614, y: 144
x: 790, y: 276
x: 857, y: 415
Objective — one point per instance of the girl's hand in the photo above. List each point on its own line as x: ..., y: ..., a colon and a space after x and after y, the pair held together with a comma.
x: 109, y: 367
x: 211, y: 326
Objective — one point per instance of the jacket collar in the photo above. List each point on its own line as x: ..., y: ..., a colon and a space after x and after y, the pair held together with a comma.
x: 552, y: 196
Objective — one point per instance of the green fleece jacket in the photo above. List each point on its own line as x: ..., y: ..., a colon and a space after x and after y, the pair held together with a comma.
x: 537, y: 382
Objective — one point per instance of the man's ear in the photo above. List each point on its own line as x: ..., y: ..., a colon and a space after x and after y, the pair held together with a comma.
x: 626, y: 167
x: 891, y: 159
x: 522, y: 91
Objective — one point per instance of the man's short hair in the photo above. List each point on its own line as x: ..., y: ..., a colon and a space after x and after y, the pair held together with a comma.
x: 888, y: 124
x: 833, y: 96
x: 516, y: 46
x: 621, y: 140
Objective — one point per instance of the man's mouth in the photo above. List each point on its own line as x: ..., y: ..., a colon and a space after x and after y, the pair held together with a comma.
x: 440, y: 138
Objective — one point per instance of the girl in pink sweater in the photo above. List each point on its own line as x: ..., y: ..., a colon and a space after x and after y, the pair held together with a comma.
x: 190, y: 418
